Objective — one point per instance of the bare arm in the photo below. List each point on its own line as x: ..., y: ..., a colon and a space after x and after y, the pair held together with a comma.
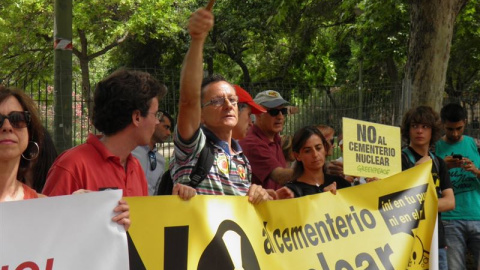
x: 189, y: 114
x: 447, y: 201
x: 281, y: 175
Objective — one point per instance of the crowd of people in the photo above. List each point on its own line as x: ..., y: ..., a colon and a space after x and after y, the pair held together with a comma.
x: 249, y: 158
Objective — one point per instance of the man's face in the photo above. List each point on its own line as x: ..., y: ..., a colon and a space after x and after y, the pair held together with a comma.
x: 420, y: 134
x: 273, y: 120
x: 454, y: 130
x: 162, y: 130
x: 150, y: 122
x: 244, y: 123
x: 219, y: 117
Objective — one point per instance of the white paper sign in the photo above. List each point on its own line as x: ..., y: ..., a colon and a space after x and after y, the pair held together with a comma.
x: 65, y: 232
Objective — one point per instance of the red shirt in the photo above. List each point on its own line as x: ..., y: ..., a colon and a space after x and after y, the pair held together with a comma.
x: 29, y: 193
x: 264, y: 156
x: 91, y: 166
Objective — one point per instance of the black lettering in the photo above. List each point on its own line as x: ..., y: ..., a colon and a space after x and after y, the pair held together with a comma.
x: 341, y: 226
x: 330, y: 223
x: 311, y: 235
x: 365, y: 257
x: 384, y: 256
x: 276, y: 234
x: 361, y: 133
x: 286, y: 239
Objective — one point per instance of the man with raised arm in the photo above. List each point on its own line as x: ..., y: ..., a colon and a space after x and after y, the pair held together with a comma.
x: 207, y: 114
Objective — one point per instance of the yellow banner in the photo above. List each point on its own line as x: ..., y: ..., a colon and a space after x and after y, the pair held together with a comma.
x: 370, y: 149
x: 386, y: 224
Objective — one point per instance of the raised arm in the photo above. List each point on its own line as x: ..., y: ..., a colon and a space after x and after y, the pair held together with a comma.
x: 189, y: 114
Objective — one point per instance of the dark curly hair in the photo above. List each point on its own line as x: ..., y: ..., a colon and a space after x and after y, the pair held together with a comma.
x: 34, y: 128
x: 453, y: 112
x: 299, y: 140
x: 121, y: 93
x: 211, y: 79
x: 421, y: 115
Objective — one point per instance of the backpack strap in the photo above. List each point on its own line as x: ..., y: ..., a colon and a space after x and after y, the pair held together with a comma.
x: 411, y: 158
x: 409, y: 155
x: 203, y: 165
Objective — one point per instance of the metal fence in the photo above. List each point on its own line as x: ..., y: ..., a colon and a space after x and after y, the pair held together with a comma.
x: 379, y: 103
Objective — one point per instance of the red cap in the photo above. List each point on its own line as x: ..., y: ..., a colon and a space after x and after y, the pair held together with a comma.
x: 244, y: 97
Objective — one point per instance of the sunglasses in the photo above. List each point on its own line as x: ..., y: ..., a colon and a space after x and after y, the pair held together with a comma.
x: 16, y: 119
x: 275, y: 112
x: 153, y: 160
x: 220, y: 101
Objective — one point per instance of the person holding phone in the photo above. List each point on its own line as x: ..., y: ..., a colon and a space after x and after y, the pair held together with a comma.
x: 462, y: 225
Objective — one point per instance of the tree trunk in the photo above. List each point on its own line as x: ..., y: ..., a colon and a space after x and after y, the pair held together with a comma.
x: 431, y: 30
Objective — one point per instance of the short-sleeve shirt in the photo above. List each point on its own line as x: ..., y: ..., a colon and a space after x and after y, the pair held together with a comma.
x: 153, y: 176
x: 29, y: 193
x: 93, y: 167
x: 466, y: 185
x: 230, y: 173
x: 264, y: 156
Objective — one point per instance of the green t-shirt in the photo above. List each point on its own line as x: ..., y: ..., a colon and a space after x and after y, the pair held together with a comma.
x: 466, y: 185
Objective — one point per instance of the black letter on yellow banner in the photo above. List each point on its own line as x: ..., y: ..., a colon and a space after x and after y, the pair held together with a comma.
x: 223, y: 255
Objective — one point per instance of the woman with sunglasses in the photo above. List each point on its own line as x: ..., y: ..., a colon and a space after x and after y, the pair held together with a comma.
x: 20, y: 134
x: 310, y: 149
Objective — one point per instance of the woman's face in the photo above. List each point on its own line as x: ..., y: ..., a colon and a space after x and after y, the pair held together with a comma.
x: 312, y: 154
x: 13, y: 141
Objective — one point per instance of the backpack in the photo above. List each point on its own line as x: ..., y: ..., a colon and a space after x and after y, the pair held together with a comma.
x: 199, y: 172
x: 406, y: 151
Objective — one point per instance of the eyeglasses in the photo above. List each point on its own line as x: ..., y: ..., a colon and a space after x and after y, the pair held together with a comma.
x: 275, y: 112
x: 152, y: 158
x: 158, y: 114
x: 16, y: 119
x: 220, y: 101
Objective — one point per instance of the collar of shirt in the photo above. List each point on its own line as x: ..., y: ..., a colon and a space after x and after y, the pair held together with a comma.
x: 257, y: 131
x: 222, y: 144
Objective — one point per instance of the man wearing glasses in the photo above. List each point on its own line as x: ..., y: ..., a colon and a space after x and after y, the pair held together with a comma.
x: 207, y: 114
x: 263, y: 145
x: 125, y: 110
x: 152, y: 162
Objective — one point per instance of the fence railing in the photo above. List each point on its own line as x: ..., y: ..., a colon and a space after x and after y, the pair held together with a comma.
x: 327, y: 105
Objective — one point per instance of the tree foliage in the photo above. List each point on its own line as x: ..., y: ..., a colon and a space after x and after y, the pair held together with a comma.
x: 253, y: 41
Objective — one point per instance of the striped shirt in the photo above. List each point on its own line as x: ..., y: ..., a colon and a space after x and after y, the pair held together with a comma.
x: 230, y: 173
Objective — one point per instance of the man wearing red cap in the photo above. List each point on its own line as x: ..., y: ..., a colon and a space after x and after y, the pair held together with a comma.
x: 246, y: 107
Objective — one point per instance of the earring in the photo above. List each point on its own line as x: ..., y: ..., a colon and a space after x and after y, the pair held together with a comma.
x: 31, y: 154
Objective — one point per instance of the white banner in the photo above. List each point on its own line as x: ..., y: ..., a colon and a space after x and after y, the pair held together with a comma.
x: 65, y: 232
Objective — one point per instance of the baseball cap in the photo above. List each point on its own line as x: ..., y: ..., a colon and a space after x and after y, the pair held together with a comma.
x: 244, y: 97
x: 270, y: 99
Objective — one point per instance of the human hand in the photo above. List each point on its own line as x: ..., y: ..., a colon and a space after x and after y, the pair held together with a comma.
x: 371, y: 179
x: 423, y: 159
x: 335, y: 167
x: 281, y: 193
x: 453, y: 162
x: 200, y: 23
x: 332, y: 188
x: 257, y: 194
x: 81, y: 191
x: 185, y: 192
x: 469, y: 166
x: 123, y: 218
